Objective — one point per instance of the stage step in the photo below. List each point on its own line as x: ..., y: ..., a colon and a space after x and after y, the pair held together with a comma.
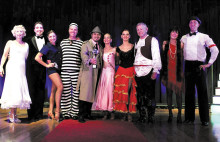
x: 216, y: 100
x: 215, y: 109
x: 217, y: 91
x: 216, y: 97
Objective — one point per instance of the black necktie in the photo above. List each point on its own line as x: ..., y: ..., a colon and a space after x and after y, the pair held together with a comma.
x: 41, y: 37
x: 96, y: 46
x: 190, y: 34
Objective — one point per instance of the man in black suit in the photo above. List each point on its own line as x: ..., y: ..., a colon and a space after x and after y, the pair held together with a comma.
x: 36, y: 74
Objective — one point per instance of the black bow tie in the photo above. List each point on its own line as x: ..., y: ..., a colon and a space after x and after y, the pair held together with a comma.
x: 41, y: 37
x: 190, y: 34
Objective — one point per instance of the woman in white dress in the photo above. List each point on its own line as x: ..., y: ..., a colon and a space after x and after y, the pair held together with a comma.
x: 15, y: 92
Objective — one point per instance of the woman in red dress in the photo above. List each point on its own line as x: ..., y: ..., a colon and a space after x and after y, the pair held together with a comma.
x: 172, y: 71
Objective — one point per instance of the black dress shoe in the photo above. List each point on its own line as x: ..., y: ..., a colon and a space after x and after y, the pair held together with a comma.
x: 189, y: 122
x: 205, y: 123
x: 124, y: 118
x: 89, y: 117
x: 61, y: 119
x: 179, y: 120
x: 31, y: 120
x: 66, y: 117
x: 141, y: 120
x: 75, y: 117
x: 37, y: 119
x: 170, y: 119
x: 150, y: 120
x: 81, y: 119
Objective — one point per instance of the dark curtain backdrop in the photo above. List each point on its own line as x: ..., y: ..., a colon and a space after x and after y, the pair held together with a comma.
x: 113, y: 16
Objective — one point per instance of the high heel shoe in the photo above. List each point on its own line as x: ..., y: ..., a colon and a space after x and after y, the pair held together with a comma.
x: 112, y: 116
x: 106, y: 113
x: 105, y: 117
x: 179, y: 119
x: 57, y: 116
x: 11, y: 119
x: 124, y: 118
x: 170, y: 118
x: 50, y: 115
x: 129, y: 118
x: 16, y: 120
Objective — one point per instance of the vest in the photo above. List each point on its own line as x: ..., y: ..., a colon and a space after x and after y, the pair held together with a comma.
x: 146, y: 50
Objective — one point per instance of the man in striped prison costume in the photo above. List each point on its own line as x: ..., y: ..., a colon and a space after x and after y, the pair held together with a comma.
x: 71, y: 62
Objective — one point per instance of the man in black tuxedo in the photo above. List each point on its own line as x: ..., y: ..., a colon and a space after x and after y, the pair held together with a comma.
x: 36, y: 74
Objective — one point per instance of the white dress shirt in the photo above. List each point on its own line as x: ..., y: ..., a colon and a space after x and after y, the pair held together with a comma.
x: 194, y: 47
x: 40, y: 43
x: 144, y: 65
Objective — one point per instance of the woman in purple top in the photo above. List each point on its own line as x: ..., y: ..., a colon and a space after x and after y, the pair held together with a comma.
x: 53, y: 68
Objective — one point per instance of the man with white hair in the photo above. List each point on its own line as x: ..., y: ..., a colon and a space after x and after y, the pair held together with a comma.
x: 147, y: 65
x: 71, y: 61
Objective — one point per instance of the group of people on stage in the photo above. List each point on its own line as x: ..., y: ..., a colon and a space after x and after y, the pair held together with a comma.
x: 85, y: 77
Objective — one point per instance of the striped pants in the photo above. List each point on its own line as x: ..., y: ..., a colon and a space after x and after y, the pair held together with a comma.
x: 70, y: 97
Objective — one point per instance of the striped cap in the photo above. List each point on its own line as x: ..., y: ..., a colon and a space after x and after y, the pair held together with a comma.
x: 73, y: 24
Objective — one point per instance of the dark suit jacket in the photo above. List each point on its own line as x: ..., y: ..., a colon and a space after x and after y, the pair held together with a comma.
x: 36, y: 78
x: 35, y: 72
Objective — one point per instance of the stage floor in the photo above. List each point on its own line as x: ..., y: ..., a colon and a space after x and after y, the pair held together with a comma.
x: 160, y: 131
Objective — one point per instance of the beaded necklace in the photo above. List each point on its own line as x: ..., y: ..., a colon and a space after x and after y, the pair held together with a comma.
x: 172, y: 54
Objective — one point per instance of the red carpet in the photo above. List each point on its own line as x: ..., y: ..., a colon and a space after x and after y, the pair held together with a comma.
x: 95, y: 131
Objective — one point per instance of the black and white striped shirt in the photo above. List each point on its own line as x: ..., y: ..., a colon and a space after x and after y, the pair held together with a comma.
x: 71, y: 54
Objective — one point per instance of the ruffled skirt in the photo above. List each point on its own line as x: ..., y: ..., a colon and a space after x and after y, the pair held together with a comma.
x: 125, y: 100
